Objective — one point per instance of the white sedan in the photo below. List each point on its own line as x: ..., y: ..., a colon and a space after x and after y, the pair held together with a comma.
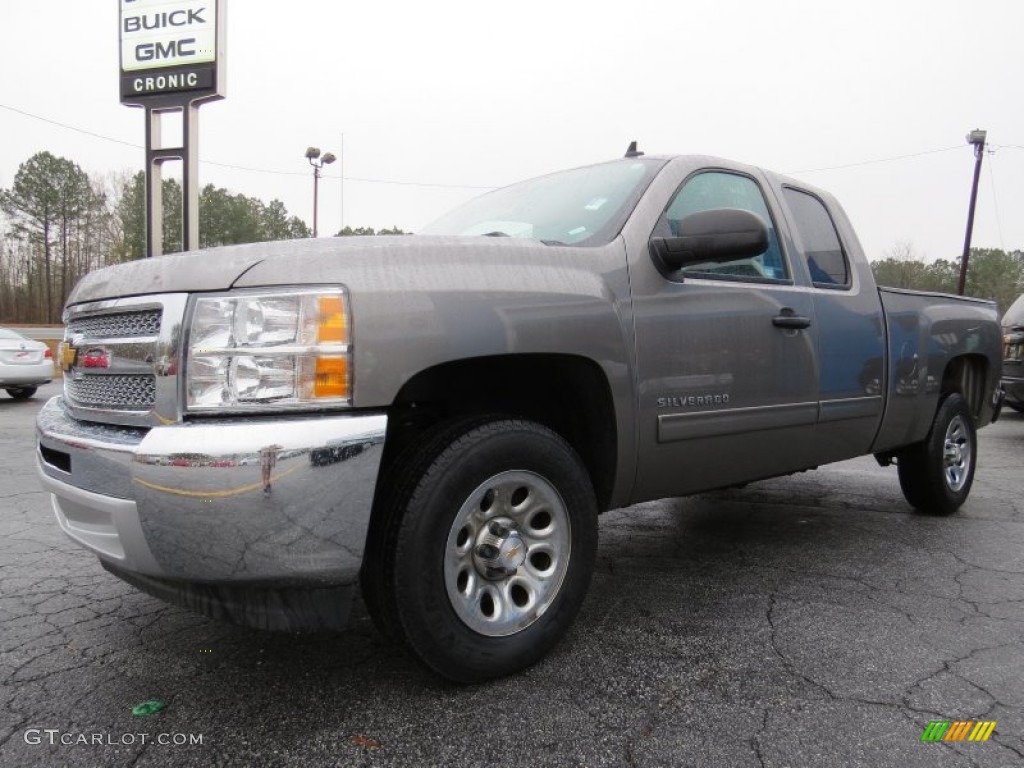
x: 24, y: 364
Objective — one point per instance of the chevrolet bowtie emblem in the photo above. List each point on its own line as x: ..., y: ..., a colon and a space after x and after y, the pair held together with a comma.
x: 66, y: 354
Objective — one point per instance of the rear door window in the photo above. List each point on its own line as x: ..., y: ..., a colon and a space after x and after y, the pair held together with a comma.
x: 826, y: 260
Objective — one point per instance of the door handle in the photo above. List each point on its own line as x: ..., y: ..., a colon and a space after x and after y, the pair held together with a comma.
x: 790, y: 320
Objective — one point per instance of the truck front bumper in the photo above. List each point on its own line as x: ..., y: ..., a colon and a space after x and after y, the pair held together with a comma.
x: 1014, y: 388
x: 219, y: 509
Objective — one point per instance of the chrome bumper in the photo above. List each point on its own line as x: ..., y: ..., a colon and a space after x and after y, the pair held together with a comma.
x: 194, y: 502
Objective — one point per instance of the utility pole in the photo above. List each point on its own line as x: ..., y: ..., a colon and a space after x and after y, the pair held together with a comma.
x: 342, y: 154
x: 976, y: 138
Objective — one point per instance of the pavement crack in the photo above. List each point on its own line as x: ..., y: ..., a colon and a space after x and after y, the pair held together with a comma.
x: 1002, y: 744
x: 15, y: 728
x: 786, y: 662
x: 947, y: 668
x: 755, y: 741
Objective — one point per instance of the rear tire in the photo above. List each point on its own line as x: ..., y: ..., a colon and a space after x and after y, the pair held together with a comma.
x: 936, y: 475
x: 487, y: 548
x: 21, y: 393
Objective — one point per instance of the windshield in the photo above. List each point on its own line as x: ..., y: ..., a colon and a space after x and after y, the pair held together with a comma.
x: 584, y: 206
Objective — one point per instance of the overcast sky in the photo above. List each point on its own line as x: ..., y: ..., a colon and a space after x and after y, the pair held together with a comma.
x: 465, y: 95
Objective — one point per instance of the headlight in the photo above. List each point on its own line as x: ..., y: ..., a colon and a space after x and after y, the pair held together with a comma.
x: 283, y: 348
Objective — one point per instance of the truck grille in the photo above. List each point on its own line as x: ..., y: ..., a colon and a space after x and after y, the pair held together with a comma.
x: 133, y: 393
x: 116, y: 326
x: 121, y: 359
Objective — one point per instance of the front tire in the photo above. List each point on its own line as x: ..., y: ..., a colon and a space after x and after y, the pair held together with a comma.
x: 488, y: 548
x: 936, y: 475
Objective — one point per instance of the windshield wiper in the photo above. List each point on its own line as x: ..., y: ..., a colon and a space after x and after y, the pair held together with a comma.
x: 499, y: 233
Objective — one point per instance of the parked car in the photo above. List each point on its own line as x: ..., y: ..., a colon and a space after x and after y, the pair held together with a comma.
x: 642, y: 328
x: 25, y: 364
x: 1013, y: 354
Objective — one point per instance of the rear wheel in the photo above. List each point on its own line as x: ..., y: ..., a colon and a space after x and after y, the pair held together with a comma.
x: 936, y: 474
x: 21, y: 393
x: 487, y: 550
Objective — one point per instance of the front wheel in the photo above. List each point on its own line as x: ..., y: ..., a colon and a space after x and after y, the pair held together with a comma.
x: 489, y: 549
x: 936, y: 475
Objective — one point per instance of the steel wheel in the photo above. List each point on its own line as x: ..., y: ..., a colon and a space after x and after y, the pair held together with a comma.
x: 484, y: 546
x: 956, y: 454
x: 936, y: 474
x: 507, y: 553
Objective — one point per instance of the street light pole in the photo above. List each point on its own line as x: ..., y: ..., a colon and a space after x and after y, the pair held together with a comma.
x: 316, y: 196
x: 976, y: 138
x: 318, y: 162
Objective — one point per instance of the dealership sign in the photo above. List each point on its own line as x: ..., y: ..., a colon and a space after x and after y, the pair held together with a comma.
x: 171, y: 49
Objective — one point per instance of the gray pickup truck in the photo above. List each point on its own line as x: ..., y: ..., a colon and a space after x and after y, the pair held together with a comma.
x: 258, y: 431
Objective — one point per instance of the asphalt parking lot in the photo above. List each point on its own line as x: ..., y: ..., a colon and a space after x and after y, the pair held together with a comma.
x: 806, y: 621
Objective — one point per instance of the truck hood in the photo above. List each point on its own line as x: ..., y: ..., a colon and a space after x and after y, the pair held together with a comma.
x: 377, y: 260
x: 214, y: 269
x: 414, y: 263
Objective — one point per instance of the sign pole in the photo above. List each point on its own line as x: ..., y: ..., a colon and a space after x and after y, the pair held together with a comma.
x: 190, y: 179
x: 154, y: 187
x: 172, y: 60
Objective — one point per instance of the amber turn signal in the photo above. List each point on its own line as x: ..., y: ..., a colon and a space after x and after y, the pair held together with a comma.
x: 331, y: 325
x: 331, y: 377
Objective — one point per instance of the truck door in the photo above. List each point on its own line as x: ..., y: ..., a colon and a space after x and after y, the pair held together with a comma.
x: 726, y: 357
x: 851, y: 333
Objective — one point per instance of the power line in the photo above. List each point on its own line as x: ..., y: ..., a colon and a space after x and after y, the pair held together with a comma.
x: 231, y: 166
x: 70, y: 127
x: 878, y: 160
x: 271, y: 171
x: 994, y: 148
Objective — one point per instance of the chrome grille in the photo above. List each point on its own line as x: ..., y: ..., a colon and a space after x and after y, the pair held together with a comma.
x: 129, y: 392
x: 121, y: 359
x: 116, y: 326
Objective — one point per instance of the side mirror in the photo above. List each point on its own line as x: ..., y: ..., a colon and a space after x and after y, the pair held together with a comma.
x: 721, y: 234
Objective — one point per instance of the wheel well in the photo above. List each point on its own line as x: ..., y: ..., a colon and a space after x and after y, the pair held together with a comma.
x: 966, y: 375
x: 566, y: 393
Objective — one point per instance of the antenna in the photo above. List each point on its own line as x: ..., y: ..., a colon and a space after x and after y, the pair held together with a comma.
x: 632, y: 151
